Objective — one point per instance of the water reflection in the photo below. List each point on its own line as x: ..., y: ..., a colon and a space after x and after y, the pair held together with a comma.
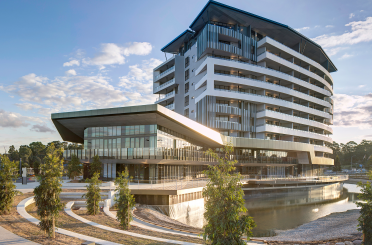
x: 280, y: 209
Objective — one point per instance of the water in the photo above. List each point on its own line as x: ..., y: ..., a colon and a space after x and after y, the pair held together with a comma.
x: 280, y: 209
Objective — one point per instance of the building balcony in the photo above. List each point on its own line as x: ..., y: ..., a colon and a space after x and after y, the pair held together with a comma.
x: 212, y: 61
x: 225, y: 109
x: 170, y: 106
x: 290, y: 65
x: 267, y: 40
x: 165, y: 97
x: 293, y: 132
x: 165, y: 85
x: 164, y: 73
x: 289, y: 118
x: 227, y: 125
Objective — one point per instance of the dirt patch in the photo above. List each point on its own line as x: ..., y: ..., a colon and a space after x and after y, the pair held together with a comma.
x: 146, y: 213
x: 16, y: 224
x: 67, y: 222
x: 103, y: 219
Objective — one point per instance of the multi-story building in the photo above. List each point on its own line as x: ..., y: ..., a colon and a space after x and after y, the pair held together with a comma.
x: 234, y: 77
x: 247, y: 76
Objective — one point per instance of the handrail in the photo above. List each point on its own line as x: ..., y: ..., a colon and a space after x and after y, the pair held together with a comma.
x: 292, y: 116
x: 164, y: 72
x: 256, y: 80
x: 164, y: 84
x: 240, y: 92
x: 265, y: 124
x: 292, y: 77
x: 166, y: 96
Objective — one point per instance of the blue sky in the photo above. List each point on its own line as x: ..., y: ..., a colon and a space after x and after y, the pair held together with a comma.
x: 74, y: 55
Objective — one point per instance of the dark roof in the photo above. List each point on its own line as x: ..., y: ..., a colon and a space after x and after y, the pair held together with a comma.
x: 174, y: 45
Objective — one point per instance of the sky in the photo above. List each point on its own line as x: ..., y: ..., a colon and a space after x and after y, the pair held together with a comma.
x: 58, y: 56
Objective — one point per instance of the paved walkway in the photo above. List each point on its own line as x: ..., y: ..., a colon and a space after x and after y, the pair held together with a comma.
x: 21, y: 208
x: 72, y: 214
x: 152, y: 227
x: 7, y: 237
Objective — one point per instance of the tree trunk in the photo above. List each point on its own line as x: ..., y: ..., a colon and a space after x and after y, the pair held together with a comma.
x: 128, y: 216
x: 54, y: 228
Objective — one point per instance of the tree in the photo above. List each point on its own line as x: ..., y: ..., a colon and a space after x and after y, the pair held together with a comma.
x: 24, y: 153
x: 8, y: 170
x: 337, y: 166
x: 14, y: 154
x: 74, y: 167
x: 224, y: 207
x: 93, y: 195
x: 365, y: 218
x: 369, y: 163
x: 47, y: 193
x: 124, y: 200
x: 95, y: 166
x: 37, y: 153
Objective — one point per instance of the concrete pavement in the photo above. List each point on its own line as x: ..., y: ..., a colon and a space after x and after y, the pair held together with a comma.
x: 7, y: 237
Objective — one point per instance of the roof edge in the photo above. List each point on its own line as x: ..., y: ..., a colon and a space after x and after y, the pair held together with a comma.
x: 179, y: 36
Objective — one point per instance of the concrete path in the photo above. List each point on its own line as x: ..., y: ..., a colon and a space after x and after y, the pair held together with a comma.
x: 72, y: 214
x: 152, y: 227
x: 7, y: 237
x: 21, y: 208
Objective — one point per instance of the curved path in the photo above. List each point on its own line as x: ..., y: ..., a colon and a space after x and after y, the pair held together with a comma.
x: 21, y: 208
x: 148, y: 226
x: 72, y: 214
x: 8, y: 237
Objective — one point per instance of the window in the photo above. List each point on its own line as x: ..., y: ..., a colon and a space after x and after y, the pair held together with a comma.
x: 187, y: 100
x: 186, y: 113
x: 186, y: 74
x: 187, y: 61
x: 223, y: 102
x: 222, y: 87
x: 187, y: 87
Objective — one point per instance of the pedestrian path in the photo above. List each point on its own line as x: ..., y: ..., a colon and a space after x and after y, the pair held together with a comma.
x: 72, y: 214
x: 21, y: 208
x: 8, y: 237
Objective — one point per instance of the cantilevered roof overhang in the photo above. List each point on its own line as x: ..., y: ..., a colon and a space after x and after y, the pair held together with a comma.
x: 71, y: 125
x: 175, y: 44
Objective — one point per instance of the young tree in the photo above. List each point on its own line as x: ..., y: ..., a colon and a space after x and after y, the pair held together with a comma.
x: 74, y: 167
x: 95, y: 166
x: 124, y: 200
x: 224, y: 208
x: 93, y: 195
x: 337, y: 166
x: 47, y: 193
x: 8, y: 170
x: 365, y: 219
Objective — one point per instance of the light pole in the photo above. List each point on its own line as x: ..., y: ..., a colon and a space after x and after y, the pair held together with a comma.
x: 351, y: 163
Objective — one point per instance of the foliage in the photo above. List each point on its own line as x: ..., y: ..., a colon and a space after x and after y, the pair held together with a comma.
x: 24, y: 153
x: 95, y: 166
x: 74, y: 167
x: 369, y: 163
x: 7, y: 187
x: 93, y: 195
x: 14, y: 154
x: 337, y: 166
x: 124, y: 200
x: 47, y: 193
x: 360, y: 153
x: 225, y: 210
x: 365, y: 219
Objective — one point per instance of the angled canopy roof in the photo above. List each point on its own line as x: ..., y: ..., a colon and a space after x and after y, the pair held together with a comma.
x: 71, y: 125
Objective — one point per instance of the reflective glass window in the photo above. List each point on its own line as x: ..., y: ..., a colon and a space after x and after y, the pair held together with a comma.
x: 131, y: 142
x: 85, y: 144
x: 142, y: 129
x: 105, y: 144
x: 118, y: 131
x: 137, y: 143
x: 131, y: 132
x: 137, y: 129
x: 114, y: 144
x: 109, y: 129
x: 127, y: 142
x: 113, y: 131
x: 142, y: 143
x: 105, y: 131
x: 118, y: 143
x: 93, y: 132
x: 101, y: 144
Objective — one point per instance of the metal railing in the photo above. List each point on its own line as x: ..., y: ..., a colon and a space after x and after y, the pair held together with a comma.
x: 166, y: 96
x: 170, y: 106
x: 164, y: 85
x: 165, y: 72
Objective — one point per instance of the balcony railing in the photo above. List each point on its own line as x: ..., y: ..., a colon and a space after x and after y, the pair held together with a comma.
x: 227, y: 109
x: 170, y: 106
x: 164, y: 73
x: 228, y: 125
x: 171, y: 154
x: 296, y: 130
x: 164, y: 85
x: 166, y: 96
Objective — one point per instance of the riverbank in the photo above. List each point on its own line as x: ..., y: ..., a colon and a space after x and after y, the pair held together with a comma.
x: 333, y: 227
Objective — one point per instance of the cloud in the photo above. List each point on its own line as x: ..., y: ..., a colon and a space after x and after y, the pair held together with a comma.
x: 333, y: 51
x: 72, y: 92
x: 329, y: 26
x: 351, y: 15
x: 42, y: 128
x: 138, y: 82
x: 27, y: 106
x: 12, y: 120
x: 302, y: 28
x: 70, y: 72
x: 361, y: 86
x: 353, y: 111
x: 361, y: 31
x: 345, y: 56
x: 71, y: 63
x: 112, y: 53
